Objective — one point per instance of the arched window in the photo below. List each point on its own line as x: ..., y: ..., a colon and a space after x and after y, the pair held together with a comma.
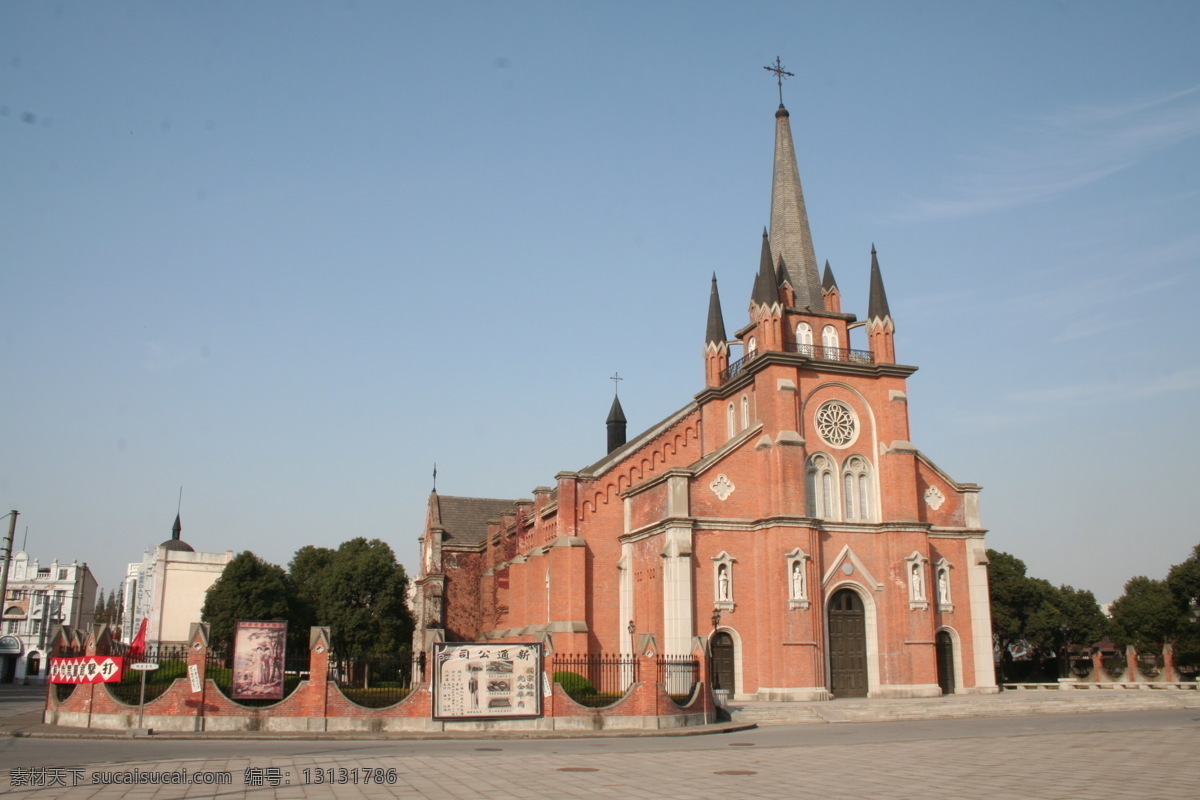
x: 820, y: 487
x: 745, y: 411
x: 751, y: 348
x: 732, y: 420
x: 829, y: 338
x: 804, y: 338
x: 856, y: 490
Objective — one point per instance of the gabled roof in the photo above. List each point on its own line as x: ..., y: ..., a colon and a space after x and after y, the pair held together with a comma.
x: 465, y: 519
x: 636, y: 443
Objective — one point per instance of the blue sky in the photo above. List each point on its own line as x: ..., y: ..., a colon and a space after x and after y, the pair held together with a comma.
x: 288, y: 255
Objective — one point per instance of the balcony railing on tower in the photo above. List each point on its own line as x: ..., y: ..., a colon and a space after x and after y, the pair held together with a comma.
x: 819, y: 352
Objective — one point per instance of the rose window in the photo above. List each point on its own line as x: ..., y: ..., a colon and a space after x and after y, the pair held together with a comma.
x: 835, y: 423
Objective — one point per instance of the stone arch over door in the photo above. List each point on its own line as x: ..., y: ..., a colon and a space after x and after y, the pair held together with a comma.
x: 849, y: 674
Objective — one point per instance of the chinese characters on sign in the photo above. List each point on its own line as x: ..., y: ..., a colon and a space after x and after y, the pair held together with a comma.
x: 475, y: 681
x: 258, y: 650
x: 87, y: 669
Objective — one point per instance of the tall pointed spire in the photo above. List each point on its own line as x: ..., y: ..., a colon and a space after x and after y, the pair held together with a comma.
x: 715, y: 335
x: 616, y: 425
x: 177, y: 528
x: 877, y: 304
x: 790, y: 235
x: 766, y: 284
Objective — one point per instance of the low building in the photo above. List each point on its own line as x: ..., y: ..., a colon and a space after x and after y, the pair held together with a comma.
x: 37, y: 599
x: 167, y: 588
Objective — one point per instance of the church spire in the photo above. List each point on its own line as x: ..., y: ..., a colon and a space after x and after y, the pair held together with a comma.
x: 790, y: 235
x: 880, y: 327
x: 715, y: 334
x: 877, y: 305
x: 176, y: 529
x: 829, y: 288
x: 766, y: 283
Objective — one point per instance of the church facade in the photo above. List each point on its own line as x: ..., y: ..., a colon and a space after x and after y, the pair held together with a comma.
x: 782, y: 519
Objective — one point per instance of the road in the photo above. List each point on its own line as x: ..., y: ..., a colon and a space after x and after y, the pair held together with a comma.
x: 1143, y: 755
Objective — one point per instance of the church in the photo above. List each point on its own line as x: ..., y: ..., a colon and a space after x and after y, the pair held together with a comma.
x: 782, y: 518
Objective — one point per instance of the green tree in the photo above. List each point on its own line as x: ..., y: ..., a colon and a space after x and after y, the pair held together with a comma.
x: 1184, y: 583
x: 1148, y: 614
x: 251, y: 589
x: 357, y: 590
x: 101, y: 615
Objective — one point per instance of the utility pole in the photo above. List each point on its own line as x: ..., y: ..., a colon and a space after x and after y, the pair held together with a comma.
x: 12, y: 529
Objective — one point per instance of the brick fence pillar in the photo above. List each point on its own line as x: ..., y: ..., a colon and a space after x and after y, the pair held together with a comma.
x: 318, y: 671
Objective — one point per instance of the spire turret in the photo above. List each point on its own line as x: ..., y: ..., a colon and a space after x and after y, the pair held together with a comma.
x: 829, y: 288
x: 877, y: 305
x: 616, y: 425
x: 715, y: 335
x: 880, y: 327
x: 790, y: 235
x: 766, y: 283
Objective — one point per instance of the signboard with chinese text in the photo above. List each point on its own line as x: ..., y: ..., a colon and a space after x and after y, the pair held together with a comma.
x: 87, y: 669
x: 258, y: 650
x: 487, y: 681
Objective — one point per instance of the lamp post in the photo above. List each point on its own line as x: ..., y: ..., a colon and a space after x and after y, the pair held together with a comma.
x: 631, y: 628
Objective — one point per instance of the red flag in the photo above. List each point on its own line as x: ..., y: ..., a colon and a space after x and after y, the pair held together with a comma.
x: 138, y: 646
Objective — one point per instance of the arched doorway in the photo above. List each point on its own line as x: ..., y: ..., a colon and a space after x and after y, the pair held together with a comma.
x: 722, y: 662
x: 847, y: 645
x: 945, y: 661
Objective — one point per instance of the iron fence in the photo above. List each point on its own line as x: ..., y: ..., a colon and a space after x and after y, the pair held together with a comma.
x: 679, y: 674
x: 172, y: 664
x: 595, y: 680
x: 377, y: 681
x: 826, y: 353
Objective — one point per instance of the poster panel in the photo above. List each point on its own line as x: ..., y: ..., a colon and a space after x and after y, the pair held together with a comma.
x: 487, y: 681
x: 258, y: 651
x: 87, y: 669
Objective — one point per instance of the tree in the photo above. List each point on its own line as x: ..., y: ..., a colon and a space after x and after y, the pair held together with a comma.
x: 1033, y: 613
x: 1147, y: 615
x: 1184, y: 582
x: 357, y: 590
x: 101, y: 614
x: 251, y: 589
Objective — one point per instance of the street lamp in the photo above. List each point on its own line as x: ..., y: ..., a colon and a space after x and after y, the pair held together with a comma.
x: 631, y: 628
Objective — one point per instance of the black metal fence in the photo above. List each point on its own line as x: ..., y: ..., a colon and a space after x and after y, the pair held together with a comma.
x: 377, y: 681
x: 171, y: 661
x: 679, y: 674
x: 595, y: 680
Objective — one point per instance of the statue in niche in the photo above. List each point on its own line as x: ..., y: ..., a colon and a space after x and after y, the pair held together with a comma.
x: 943, y: 588
x: 798, y: 580
x: 723, y: 582
x: 918, y: 583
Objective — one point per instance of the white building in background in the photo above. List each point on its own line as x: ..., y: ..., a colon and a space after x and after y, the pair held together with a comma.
x: 167, y: 588
x: 39, y: 598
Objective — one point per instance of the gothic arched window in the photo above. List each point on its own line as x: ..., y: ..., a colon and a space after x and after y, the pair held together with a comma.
x: 820, y: 487
x: 829, y: 338
x: 856, y: 490
x: 751, y: 348
x: 745, y: 411
x: 804, y: 338
x: 732, y: 421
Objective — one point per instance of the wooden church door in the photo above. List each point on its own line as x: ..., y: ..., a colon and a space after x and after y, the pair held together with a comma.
x: 722, y: 662
x: 847, y: 645
x: 945, y: 662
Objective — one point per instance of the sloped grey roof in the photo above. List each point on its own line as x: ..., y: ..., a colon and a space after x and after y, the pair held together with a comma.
x: 465, y: 519
x: 716, y: 322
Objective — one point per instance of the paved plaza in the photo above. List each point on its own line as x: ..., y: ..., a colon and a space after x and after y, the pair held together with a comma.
x: 1143, y: 755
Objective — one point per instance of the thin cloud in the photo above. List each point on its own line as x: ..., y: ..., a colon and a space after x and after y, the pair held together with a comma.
x: 1181, y: 380
x: 1062, y: 152
x: 159, y: 358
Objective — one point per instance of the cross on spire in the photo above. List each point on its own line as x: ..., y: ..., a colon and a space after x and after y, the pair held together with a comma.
x: 779, y: 73
x: 616, y: 377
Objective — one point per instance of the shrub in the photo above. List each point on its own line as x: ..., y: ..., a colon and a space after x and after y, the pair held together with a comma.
x: 574, y: 684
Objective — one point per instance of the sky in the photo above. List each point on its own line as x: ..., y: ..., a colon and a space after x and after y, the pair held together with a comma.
x: 287, y: 256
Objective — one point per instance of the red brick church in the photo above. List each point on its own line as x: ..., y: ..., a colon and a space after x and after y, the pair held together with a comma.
x: 783, y: 516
